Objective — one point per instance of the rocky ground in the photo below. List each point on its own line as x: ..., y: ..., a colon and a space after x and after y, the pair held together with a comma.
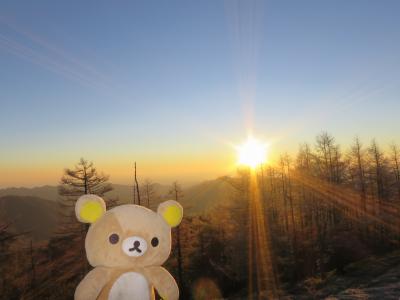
x: 372, y: 278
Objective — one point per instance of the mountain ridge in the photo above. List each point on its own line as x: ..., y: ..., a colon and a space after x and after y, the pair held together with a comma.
x: 197, y: 199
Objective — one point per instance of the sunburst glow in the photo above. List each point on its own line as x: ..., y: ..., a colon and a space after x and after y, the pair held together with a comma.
x: 252, y: 153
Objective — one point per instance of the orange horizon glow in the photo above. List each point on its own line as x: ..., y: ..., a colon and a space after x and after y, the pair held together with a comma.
x: 189, y: 168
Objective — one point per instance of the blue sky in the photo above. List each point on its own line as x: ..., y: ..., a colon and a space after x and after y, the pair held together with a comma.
x: 167, y: 82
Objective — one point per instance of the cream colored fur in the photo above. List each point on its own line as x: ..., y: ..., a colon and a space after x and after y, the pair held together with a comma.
x: 111, y: 262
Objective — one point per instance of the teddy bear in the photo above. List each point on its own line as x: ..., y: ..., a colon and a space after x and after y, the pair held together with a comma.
x: 127, y: 245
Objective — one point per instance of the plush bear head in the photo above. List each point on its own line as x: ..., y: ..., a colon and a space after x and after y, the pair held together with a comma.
x: 127, y: 235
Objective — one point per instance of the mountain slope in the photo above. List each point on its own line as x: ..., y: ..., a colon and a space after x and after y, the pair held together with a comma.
x: 208, y: 195
x: 33, y: 215
x: 125, y: 192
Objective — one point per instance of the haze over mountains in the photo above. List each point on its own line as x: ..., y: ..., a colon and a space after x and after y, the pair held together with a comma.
x: 35, y: 209
x: 50, y: 192
x: 46, y: 192
x: 198, y: 198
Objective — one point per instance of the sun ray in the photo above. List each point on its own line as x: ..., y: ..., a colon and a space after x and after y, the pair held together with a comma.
x: 252, y: 153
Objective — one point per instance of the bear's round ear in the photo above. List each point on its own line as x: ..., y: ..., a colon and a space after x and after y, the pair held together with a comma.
x: 89, y: 208
x: 171, y: 211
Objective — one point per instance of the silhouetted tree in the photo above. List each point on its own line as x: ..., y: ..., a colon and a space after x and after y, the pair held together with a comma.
x: 136, y: 191
x: 67, y: 245
x: 395, y: 158
x: 325, y: 151
x: 377, y: 169
x: 83, y: 179
x: 357, y: 166
x: 304, y: 158
x: 177, y: 194
x: 149, y: 193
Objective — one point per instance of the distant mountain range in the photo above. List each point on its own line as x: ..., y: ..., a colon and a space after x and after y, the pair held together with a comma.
x: 50, y: 192
x: 47, y: 192
x: 197, y: 199
x: 34, y: 209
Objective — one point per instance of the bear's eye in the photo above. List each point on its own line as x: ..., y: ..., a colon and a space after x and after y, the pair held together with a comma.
x: 114, y: 238
x: 154, y: 242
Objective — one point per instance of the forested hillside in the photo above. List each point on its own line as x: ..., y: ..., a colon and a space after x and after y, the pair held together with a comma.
x: 329, y: 211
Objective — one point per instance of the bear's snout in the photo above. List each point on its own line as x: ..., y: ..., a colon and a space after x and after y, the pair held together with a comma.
x: 134, y: 246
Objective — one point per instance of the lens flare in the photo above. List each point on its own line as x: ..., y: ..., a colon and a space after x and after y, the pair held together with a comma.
x: 252, y: 153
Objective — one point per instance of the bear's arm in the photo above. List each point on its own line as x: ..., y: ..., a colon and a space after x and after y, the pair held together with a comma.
x: 92, y: 284
x: 163, y: 282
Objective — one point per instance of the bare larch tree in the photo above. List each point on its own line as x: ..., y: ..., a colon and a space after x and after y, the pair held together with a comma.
x: 177, y: 194
x: 83, y: 179
x: 148, y: 189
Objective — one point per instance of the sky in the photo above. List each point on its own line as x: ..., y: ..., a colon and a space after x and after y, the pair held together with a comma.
x: 173, y: 85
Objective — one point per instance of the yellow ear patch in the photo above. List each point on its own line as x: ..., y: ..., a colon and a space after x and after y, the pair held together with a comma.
x: 171, y: 212
x: 172, y: 215
x: 91, y: 211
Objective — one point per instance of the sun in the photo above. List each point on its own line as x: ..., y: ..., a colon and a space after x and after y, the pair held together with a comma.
x: 252, y: 153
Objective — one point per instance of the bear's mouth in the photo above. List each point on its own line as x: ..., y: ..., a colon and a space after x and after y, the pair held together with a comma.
x: 135, y: 247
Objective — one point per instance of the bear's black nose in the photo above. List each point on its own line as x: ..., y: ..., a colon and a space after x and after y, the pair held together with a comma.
x: 136, y: 245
